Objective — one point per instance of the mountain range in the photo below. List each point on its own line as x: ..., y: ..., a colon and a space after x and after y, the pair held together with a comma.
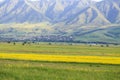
x: 81, y: 20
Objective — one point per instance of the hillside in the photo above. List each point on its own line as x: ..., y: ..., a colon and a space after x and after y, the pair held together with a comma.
x: 59, y: 20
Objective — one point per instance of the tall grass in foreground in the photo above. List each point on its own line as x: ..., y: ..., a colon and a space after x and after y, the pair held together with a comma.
x: 26, y: 70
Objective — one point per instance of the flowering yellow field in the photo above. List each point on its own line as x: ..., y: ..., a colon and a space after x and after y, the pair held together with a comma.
x: 62, y: 58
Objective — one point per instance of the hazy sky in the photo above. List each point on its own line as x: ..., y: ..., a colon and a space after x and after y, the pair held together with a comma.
x: 35, y: 0
x: 1, y: 0
x: 92, y: 0
x: 97, y: 0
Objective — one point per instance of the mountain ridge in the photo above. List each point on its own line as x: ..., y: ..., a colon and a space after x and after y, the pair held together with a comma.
x: 85, y: 20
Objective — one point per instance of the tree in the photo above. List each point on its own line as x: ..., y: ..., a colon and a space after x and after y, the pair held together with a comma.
x: 71, y: 44
x: 24, y: 43
x: 9, y: 42
x: 49, y: 43
x: 14, y: 43
x: 107, y: 45
x: 102, y: 45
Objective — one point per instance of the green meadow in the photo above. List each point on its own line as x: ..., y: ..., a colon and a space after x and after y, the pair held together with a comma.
x: 61, y: 49
x: 11, y: 69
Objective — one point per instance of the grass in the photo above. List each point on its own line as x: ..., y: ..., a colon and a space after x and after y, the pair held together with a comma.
x: 29, y: 70
x: 18, y: 62
x: 60, y: 49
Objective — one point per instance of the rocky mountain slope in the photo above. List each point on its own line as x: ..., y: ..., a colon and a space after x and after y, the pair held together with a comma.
x: 83, y: 20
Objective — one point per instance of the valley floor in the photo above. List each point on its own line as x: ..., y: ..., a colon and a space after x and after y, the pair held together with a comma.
x: 13, y: 66
x: 29, y: 70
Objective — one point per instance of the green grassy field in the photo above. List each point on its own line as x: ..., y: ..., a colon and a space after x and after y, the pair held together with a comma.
x: 41, y: 70
x: 61, y: 49
x: 28, y: 70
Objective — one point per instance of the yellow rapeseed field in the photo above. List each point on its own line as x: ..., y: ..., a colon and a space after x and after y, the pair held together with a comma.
x: 62, y: 58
